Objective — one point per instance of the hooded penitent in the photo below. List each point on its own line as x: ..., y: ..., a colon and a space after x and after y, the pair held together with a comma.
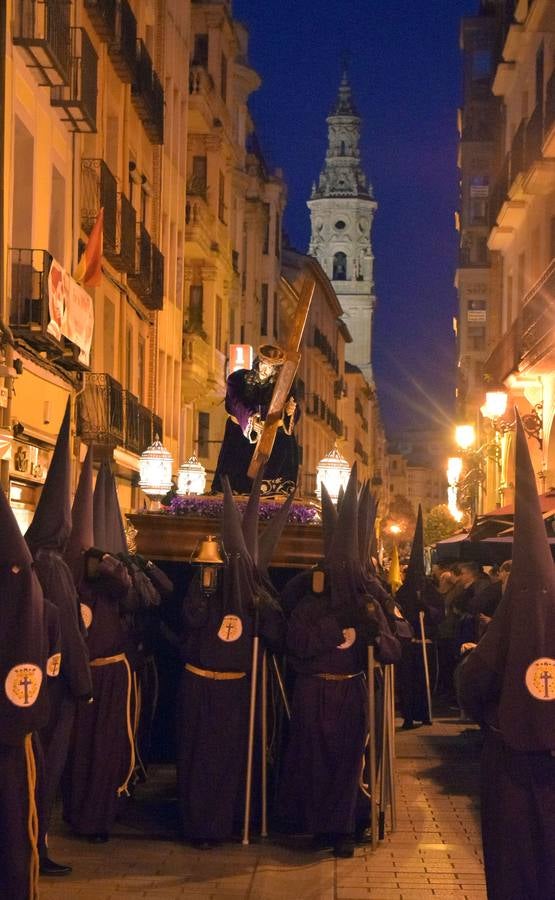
x: 109, y: 533
x: 519, y: 643
x: 329, y: 518
x: 411, y: 593
x: 23, y: 640
x: 342, y: 561
x: 82, y: 533
x: 51, y: 523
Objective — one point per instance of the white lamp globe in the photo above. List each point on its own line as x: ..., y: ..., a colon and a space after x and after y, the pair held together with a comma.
x: 191, y: 478
x: 333, y: 471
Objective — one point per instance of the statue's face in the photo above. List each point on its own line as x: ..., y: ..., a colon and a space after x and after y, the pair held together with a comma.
x: 265, y: 370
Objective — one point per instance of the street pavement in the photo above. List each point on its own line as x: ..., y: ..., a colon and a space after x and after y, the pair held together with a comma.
x: 434, y: 853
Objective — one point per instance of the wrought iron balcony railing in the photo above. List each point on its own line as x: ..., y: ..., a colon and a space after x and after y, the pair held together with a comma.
x: 103, y: 15
x: 78, y: 97
x: 42, y: 29
x: 147, y: 278
x: 110, y: 416
x: 100, y: 410
x: 531, y: 337
x: 99, y: 188
x: 147, y: 95
x: 157, y: 291
x: 122, y: 44
x: 28, y: 295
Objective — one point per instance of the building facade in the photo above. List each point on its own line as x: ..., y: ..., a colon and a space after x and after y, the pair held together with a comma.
x: 233, y: 225
x: 342, y: 208
x: 521, y: 336
x: 95, y: 118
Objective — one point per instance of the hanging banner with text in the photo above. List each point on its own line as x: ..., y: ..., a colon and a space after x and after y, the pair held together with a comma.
x: 71, y: 311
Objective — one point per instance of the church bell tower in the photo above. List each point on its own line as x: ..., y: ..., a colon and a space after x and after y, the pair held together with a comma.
x: 342, y: 207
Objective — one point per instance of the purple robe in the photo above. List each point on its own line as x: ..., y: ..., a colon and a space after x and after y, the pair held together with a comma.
x: 319, y: 789
x: 212, y: 720
x: 72, y: 682
x: 101, y: 755
x: 517, y: 797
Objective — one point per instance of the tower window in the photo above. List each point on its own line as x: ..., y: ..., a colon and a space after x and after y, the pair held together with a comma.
x: 339, y: 267
x: 340, y: 225
x: 342, y: 148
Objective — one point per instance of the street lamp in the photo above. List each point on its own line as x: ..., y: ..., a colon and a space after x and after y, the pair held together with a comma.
x: 496, y: 404
x: 191, y: 478
x: 333, y: 472
x: 465, y: 436
x: 155, y: 470
x: 454, y: 472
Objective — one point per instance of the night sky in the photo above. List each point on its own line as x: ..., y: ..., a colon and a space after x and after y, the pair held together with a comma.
x: 405, y: 70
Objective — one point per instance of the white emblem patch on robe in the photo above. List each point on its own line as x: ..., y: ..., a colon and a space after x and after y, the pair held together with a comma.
x: 53, y: 665
x: 231, y: 629
x: 540, y: 678
x: 86, y: 615
x: 350, y: 637
x: 23, y: 683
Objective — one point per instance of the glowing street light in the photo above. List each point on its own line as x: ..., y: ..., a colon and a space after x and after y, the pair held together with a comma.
x: 454, y: 472
x: 496, y: 404
x: 465, y: 436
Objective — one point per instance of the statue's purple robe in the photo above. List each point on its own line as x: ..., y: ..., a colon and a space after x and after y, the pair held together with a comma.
x: 248, y: 396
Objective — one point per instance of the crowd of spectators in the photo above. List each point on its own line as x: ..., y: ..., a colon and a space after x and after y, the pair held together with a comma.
x: 470, y: 597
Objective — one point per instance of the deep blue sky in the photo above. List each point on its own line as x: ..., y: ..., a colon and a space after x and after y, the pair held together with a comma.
x: 405, y: 71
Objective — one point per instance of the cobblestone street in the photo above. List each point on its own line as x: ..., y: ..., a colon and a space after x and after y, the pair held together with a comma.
x: 435, y: 852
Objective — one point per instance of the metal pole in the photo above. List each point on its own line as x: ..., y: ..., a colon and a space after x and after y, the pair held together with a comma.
x: 264, y: 722
x: 390, y: 670
x: 372, y: 748
x: 383, y: 760
x: 281, y: 686
x: 248, y: 780
x: 426, y: 669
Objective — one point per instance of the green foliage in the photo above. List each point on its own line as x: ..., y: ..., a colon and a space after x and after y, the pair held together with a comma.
x: 439, y: 524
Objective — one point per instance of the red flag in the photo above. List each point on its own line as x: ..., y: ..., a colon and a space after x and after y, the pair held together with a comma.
x: 89, y: 271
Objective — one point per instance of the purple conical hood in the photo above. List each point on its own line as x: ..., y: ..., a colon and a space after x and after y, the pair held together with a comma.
x: 109, y: 534
x: 519, y: 642
x: 82, y: 531
x: 99, y: 508
x: 51, y: 523
x: 531, y: 554
x: 115, y: 529
x: 416, y: 568
x: 232, y: 526
x: 250, y: 516
x: 329, y: 518
x: 13, y: 547
x: 269, y: 539
x: 344, y: 544
x: 364, y: 504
